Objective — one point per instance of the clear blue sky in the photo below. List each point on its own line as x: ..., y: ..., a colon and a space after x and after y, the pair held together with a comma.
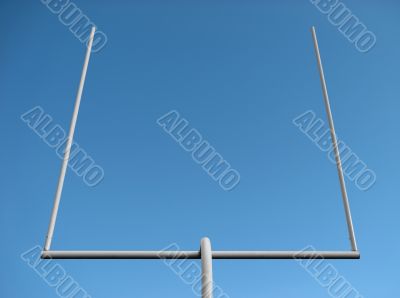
x: 239, y: 72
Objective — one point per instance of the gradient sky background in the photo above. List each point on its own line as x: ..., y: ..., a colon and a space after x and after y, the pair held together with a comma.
x: 239, y: 71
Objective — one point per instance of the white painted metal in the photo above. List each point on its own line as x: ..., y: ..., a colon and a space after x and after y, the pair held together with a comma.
x: 205, y: 253
x: 206, y: 267
x: 335, y: 146
x: 193, y: 254
x: 68, y: 145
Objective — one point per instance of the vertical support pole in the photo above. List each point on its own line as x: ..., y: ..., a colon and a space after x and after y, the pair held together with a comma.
x: 68, y: 145
x: 206, y: 267
x: 335, y: 146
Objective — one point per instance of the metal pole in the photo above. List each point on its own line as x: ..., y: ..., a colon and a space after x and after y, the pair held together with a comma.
x: 145, y: 255
x: 335, y: 146
x: 206, y: 266
x: 68, y: 145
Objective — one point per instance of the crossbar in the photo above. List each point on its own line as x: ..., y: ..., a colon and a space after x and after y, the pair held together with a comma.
x: 216, y: 254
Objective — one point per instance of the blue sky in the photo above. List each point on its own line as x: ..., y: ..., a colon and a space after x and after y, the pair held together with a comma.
x: 239, y: 72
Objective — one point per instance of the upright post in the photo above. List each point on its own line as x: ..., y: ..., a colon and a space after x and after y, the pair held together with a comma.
x: 335, y: 146
x: 68, y: 145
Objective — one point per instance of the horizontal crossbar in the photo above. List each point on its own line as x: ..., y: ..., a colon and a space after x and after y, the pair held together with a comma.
x: 99, y: 254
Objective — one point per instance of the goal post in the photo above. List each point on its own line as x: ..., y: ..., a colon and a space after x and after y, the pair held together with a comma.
x: 205, y: 253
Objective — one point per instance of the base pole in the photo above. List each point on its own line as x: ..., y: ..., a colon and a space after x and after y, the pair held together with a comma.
x: 206, y: 266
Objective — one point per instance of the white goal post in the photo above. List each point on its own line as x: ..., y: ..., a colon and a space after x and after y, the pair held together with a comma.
x: 205, y: 253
